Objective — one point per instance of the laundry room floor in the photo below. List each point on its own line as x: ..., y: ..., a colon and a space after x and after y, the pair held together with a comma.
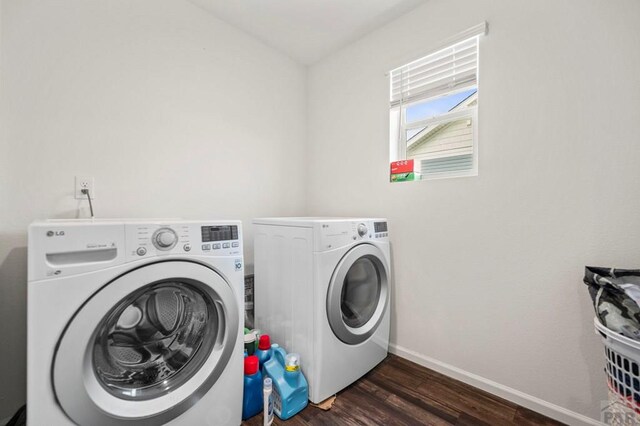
x: 400, y: 392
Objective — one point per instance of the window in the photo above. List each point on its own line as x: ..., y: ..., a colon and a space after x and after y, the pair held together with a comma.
x: 434, y: 110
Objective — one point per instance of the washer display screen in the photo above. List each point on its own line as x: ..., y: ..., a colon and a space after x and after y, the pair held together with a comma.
x: 219, y: 233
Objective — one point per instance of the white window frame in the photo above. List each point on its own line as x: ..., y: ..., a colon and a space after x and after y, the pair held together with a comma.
x: 397, y: 114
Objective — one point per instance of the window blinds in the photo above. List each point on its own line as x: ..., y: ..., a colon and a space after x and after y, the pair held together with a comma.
x: 454, y: 67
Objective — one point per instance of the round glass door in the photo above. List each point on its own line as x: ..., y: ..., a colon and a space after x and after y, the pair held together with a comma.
x: 358, y: 294
x: 154, y: 340
x: 147, y: 346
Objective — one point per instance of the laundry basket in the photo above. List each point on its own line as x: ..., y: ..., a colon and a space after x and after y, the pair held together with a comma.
x: 623, y: 374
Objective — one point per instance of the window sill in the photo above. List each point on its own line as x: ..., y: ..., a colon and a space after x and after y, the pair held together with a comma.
x: 446, y: 175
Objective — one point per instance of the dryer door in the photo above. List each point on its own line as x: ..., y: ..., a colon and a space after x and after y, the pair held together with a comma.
x: 358, y: 294
x: 147, y: 346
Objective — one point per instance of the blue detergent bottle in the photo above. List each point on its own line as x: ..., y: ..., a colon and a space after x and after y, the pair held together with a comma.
x: 264, y: 350
x: 290, y: 388
x: 252, y: 393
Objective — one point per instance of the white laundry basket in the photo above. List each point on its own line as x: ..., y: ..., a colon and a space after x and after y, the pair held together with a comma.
x: 623, y: 372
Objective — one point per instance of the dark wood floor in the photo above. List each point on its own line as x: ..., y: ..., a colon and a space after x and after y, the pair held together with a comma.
x: 399, y: 392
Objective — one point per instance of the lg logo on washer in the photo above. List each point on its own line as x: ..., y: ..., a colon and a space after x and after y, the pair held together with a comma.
x: 55, y: 233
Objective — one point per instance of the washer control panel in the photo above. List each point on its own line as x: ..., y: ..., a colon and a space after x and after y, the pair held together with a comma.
x: 157, y: 239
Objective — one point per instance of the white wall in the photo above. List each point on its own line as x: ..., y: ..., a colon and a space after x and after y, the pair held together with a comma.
x: 174, y: 113
x: 488, y: 269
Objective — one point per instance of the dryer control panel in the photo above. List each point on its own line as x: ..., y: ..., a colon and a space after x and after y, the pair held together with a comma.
x: 157, y: 239
x: 336, y: 233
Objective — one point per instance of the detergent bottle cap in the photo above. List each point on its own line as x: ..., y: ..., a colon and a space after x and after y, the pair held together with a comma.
x: 251, y: 365
x: 265, y: 342
x: 274, y: 345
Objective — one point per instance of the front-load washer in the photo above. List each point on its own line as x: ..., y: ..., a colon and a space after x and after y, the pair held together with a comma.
x: 322, y: 289
x: 133, y: 322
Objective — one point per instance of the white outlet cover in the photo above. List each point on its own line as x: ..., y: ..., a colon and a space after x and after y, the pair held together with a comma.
x: 83, y: 182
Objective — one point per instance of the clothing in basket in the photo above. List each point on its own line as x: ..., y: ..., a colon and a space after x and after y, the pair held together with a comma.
x: 616, y: 298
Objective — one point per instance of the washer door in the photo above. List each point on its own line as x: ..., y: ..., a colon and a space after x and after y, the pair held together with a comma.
x: 147, y: 346
x: 358, y: 294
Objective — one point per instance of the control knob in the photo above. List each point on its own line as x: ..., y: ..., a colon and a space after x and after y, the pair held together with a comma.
x: 165, y: 238
x: 362, y: 229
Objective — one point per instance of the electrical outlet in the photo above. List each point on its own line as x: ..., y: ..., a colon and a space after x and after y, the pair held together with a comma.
x: 85, y: 182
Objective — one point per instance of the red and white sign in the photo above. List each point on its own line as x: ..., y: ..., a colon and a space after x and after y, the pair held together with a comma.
x: 404, y: 166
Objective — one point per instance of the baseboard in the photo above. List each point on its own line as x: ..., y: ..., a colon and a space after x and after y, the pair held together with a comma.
x: 528, y: 401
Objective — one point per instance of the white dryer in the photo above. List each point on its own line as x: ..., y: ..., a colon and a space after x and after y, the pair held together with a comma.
x: 135, y: 323
x: 322, y: 289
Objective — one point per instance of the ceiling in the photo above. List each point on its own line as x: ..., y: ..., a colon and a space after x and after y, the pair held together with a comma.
x: 308, y: 30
